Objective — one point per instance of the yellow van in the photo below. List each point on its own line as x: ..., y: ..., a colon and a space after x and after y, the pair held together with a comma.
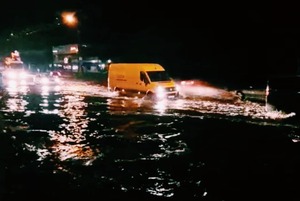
x: 141, y: 79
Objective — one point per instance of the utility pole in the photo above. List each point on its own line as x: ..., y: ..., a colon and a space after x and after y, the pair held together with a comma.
x: 71, y: 20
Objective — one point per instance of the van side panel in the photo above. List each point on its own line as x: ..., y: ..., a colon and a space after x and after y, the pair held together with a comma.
x: 123, y: 76
x: 127, y: 76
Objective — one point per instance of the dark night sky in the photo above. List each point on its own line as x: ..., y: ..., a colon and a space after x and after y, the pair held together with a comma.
x: 202, y: 38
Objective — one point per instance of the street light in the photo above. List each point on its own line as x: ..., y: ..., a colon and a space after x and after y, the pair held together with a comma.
x: 71, y: 20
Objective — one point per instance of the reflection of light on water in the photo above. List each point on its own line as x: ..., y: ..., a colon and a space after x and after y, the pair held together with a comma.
x: 225, y: 107
x: 235, y: 109
x: 122, y: 104
x: 165, y: 150
x: 15, y: 90
x: 46, y: 111
x: 161, y: 106
x: 159, y: 183
x: 72, y: 148
x: 57, y: 88
x: 136, y: 105
x: 70, y: 143
x: 41, y: 152
x: 16, y: 104
x: 45, y: 90
x: 159, y: 187
x: 45, y: 103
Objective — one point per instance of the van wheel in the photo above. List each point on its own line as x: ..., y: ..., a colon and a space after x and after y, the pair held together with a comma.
x: 149, y: 96
x: 116, y: 89
x: 112, y: 89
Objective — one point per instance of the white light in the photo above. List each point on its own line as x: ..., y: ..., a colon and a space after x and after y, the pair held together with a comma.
x: 12, y: 83
x: 11, y: 75
x: 160, y: 92
x: 23, y: 75
x: 45, y: 80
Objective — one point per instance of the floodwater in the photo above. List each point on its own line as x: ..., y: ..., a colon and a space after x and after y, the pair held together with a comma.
x: 79, y: 141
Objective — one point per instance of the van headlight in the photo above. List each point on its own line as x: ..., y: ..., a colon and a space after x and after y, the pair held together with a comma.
x: 23, y: 75
x: 160, y: 92
x: 45, y: 80
x: 12, y: 75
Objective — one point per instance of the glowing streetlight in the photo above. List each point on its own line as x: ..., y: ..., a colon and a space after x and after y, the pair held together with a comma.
x: 70, y: 19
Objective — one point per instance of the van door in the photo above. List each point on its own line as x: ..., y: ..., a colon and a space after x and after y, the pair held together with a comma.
x: 144, y: 78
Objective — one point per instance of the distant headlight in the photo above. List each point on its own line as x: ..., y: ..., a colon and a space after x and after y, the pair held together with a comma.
x: 12, y: 83
x: 44, y: 80
x: 56, y: 79
x: 23, y: 82
x: 17, y: 75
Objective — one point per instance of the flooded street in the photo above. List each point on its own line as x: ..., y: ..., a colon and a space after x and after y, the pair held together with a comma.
x: 79, y: 141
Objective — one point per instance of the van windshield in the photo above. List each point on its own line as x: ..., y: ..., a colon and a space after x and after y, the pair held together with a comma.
x: 157, y: 76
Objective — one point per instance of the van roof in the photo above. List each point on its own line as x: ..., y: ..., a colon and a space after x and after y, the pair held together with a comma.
x: 145, y: 66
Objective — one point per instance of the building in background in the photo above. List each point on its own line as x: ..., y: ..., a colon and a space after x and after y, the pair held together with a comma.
x: 75, y: 58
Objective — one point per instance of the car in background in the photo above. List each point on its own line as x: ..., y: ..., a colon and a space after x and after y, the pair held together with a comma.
x: 251, y: 93
x: 55, y: 74
x: 55, y: 77
x: 48, y: 82
x: 16, y: 74
x: 251, y: 88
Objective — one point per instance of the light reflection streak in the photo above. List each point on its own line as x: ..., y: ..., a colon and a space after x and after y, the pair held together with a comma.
x: 17, y: 90
x: 16, y: 104
x: 70, y: 143
x: 162, y: 185
x: 161, y: 106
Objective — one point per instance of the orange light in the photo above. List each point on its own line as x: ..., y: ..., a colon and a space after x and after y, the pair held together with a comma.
x: 69, y: 19
x: 73, y: 49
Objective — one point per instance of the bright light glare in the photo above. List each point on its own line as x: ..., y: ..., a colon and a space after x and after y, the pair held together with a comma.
x: 57, y: 88
x: 160, y: 92
x: 45, y: 80
x: 12, y: 83
x: 12, y: 75
x: 23, y: 82
x: 69, y: 19
x: 45, y: 89
x: 23, y: 75
x: 161, y: 106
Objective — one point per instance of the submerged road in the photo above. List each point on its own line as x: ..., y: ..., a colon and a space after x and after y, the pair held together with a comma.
x: 79, y: 141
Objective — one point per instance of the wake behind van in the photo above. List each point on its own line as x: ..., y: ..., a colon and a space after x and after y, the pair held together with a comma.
x: 143, y: 79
